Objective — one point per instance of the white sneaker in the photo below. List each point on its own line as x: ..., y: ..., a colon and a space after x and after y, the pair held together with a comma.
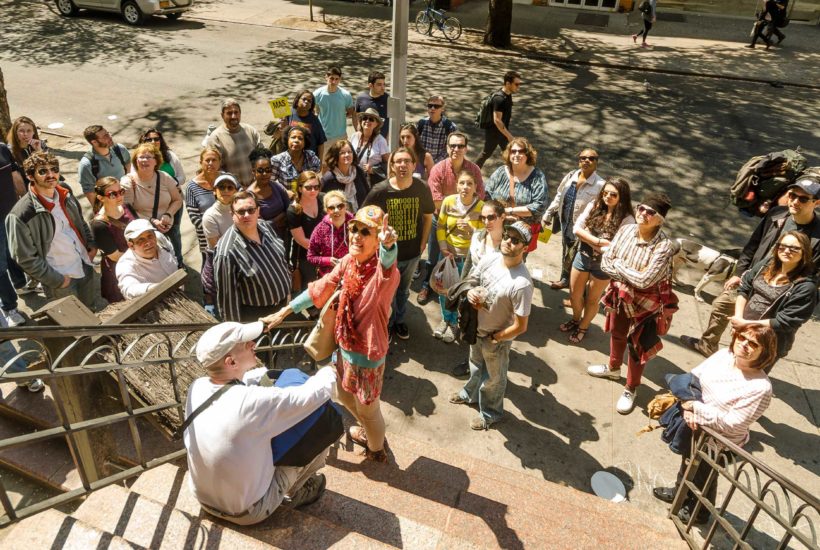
x: 440, y: 330
x: 449, y: 335
x: 13, y: 318
x: 34, y: 386
x: 602, y: 371
x: 626, y: 402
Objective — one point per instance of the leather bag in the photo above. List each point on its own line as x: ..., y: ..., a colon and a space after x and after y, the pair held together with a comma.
x: 321, y: 342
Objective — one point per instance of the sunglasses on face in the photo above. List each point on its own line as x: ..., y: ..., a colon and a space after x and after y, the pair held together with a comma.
x: 606, y: 194
x: 368, y: 119
x: 115, y: 194
x: 335, y: 207
x: 264, y: 170
x: 748, y: 341
x: 646, y: 211
x: 513, y: 239
x: 488, y: 219
x: 47, y: 169
x: 227, y: 188
x: 434, y: 106
x: 246, y: 211
x: 152, y: 140
x: 310, y: 187
x: 146, y: 157
x: 518, y: 151
x: 363, y: 231
x: 788, y: 248
x: 802, y: 199
x: 590, y: 159
x: 457, y: 146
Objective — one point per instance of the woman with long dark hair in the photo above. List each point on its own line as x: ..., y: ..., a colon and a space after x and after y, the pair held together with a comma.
x: 108, y: 226
x: 595, y: 228
x: 304, y: 214
x: 779, y: 292
x: 409, y: 137
x: 344, y: 174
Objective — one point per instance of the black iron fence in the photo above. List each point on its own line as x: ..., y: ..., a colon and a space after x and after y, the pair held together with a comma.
x: 60, y: 354
x: 760, y: 508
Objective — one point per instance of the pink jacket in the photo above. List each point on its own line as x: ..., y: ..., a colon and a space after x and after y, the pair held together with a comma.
x: 327, y: 242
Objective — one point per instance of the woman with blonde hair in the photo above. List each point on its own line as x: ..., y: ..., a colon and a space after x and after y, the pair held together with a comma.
x: 328, y: 242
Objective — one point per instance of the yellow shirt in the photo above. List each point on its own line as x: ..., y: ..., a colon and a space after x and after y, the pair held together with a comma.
x: 450, y: 213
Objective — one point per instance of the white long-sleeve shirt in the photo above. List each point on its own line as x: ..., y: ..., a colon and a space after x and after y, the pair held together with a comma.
x: 733, y: 400
x: 136, y: 275
x: 229, y: 448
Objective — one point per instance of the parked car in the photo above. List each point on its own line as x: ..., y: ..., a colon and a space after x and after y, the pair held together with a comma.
x: 134, y: 12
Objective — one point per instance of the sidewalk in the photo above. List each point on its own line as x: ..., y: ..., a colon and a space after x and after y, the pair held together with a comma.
x: 682, y: 43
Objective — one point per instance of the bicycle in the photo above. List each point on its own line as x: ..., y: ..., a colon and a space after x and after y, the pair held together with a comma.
x: 450, y: 27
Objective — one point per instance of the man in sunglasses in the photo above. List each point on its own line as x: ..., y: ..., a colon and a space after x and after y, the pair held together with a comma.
x: 434, y: 128
x: 503, y: 297
x: 250, y: 265
x: 578, y: 188
x: 47, y: 235
x: 799, y: 215
x: 148, y: 261
x: 498, y: 133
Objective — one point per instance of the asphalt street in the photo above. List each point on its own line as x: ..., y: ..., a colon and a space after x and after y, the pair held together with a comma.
x: 683, y: 135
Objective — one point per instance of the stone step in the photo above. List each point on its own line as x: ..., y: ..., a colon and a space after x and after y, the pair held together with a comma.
x: 54, y: 529
x: 37, y: 410
x: 48, y: 462
x: 144, y: 521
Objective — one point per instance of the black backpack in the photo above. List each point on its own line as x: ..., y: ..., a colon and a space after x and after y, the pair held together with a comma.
x: 645, y: 7
x: 95, y: 164
x: 763, y: 179
x: 484, y: 116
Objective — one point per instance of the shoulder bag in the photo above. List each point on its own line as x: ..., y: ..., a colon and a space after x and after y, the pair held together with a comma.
x: 321, y: 342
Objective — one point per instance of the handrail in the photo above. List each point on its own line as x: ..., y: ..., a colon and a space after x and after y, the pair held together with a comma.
x: 102, y: 351
x: 757, y: 484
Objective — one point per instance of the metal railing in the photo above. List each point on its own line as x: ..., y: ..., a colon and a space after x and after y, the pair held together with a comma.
x: 105, y: 349
x: 760, y: 509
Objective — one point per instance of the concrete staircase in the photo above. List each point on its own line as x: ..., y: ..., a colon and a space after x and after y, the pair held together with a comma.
x: 426, y: 497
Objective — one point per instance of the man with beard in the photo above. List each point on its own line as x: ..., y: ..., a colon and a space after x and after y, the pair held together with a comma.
x: 503, y: 298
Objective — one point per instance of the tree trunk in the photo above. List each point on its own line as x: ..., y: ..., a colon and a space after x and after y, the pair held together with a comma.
x: 310, y: 5
x: 5, y: 117
x: 499, y: 24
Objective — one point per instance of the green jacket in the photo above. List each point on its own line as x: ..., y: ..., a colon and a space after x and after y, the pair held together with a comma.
x: 30, y: 230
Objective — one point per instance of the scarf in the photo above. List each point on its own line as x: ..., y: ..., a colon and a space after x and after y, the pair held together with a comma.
x: 354, y: 279
x: 349, y: 183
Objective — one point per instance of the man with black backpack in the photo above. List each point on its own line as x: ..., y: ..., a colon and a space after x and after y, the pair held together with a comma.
x: 494, y: 116
x: 105, y: 158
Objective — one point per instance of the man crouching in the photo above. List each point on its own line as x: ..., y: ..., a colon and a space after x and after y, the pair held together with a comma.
x: 229, y: 442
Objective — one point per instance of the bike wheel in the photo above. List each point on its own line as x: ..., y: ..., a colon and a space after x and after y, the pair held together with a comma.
x: 451, y: 28
x: 423, y: 23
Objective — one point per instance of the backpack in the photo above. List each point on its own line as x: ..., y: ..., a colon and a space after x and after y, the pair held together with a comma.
x: 645, y: 7
x: 484, y: 116
x: 95, y: 164
x: 763, y: 179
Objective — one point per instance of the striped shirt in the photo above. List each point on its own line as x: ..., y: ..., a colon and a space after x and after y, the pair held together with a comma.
x: 250, y: 273
x: 732, y: 399
x: 635, y: 262
x: 197, y: 201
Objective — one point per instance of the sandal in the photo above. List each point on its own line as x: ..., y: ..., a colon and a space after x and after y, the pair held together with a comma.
x: 360, y: 438
x: 569, y: 326
x: 578, y: 336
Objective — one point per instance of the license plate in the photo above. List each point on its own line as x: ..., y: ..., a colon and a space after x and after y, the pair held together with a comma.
x: 166, y: 4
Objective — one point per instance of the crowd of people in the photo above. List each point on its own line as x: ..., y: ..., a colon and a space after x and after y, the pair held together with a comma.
x: 338, y: 217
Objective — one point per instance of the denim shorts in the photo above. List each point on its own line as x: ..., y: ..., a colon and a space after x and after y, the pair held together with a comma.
x: 588, y: 265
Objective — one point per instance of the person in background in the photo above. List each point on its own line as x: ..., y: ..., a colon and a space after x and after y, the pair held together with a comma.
x: 303, y: 116
x: 108, y: 227
x: 334, y: 106
x: 329, y: 241
x: 498, y: 133
x: 105, y: 158
x: 148, y: 261
x: 344, y: 174
x: 297, y: 158
x: 12, y: 187
x: 23, y: 139
x: 375, y: 99
x: 367, y: 279
x: 235, y: 140
x: 649, y: 17
x: 304, y: 214
x: 199, y: 195
x: 434, y: 128
x: 215, y: 222
x: 639, y: 260
x: 370, y: 146
x: 409, y: 137
x: 273, y: 199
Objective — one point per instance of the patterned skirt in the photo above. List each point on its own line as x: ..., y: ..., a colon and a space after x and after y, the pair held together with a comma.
x: 364, y: 383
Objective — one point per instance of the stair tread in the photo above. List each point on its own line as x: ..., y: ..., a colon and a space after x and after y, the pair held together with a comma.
x: 147, y: 522
x: 48, y: 462
x: 54, y: 529
x: 35, y: 409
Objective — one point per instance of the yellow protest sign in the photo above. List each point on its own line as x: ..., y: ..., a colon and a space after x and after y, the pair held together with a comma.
x: 280, y: 107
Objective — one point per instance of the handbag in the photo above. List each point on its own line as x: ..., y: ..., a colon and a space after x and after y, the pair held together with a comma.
x: 321, y: 342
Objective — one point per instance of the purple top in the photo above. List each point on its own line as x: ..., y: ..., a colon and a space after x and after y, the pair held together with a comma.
x: 328, y: 242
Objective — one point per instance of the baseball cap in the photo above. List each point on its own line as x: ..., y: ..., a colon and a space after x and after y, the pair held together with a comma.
x: 522, y: 229
x: 226, y: 178
x: 136, y: 228
x: 810, y: 186
x: 371, y: 216
x: 216, y: 342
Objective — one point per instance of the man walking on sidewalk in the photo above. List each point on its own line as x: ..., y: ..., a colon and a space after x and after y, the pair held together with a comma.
x: 799, y: 215
x: 497, y: 132
x: 503, y: 298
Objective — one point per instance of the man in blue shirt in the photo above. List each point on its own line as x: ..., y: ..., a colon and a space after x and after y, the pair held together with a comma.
x: 334, y: 105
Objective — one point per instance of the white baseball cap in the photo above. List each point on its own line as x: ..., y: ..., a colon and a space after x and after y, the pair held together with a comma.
x: 136, y: 228
x: 216, y: 342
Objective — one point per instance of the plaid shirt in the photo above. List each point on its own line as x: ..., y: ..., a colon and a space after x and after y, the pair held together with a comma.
x: 640, y: 264
x: 434, y: 136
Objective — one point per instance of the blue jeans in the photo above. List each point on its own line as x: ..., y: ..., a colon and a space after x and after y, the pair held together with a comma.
x: 433, y: 252
x: 488, y: 377
x: 406, y: 269
x: 450, y: 317
x: 8, y: 297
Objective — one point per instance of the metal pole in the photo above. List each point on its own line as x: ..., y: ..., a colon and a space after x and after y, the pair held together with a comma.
x: 398, y: 70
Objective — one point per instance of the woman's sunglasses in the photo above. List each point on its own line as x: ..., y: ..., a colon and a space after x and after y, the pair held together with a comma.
x: 311, y: 187
x: 363, y: 231
x: 115, y: 194
x: 336, y: 207
x: 490, y: 218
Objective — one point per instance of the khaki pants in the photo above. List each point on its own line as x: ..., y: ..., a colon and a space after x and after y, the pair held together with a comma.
x: 722, y: 308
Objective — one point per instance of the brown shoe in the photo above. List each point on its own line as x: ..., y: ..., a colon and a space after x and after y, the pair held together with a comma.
x: 357, y: 436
